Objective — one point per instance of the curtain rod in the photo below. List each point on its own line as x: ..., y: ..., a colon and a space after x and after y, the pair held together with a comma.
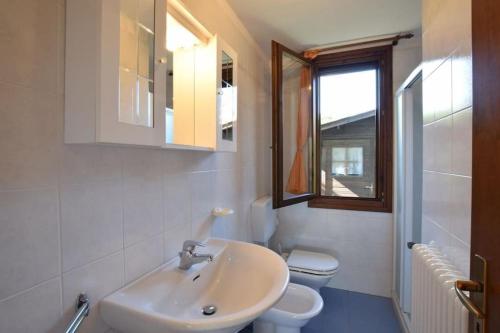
x: 313, y: 53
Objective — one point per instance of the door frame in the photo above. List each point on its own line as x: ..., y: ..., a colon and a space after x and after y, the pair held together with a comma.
x: 485, y: 224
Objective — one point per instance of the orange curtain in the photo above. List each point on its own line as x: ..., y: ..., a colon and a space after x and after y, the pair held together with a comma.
x: 297, y: 180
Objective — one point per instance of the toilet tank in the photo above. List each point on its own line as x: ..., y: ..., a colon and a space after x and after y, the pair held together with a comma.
x: 263, y: 219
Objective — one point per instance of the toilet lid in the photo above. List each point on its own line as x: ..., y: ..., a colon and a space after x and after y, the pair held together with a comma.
x: 313, y: 262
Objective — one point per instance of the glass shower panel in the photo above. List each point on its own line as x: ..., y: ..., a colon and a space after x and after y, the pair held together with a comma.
x: 409, y: 124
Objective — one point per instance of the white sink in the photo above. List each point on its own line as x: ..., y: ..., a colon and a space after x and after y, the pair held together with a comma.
x: 243, y: 281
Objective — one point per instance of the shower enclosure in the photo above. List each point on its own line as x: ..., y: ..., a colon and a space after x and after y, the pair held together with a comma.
x: 408, y: 186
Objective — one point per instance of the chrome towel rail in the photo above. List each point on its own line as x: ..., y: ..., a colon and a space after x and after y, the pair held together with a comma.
x: 82, y: 311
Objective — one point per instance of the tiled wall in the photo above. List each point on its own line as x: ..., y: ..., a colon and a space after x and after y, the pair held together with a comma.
x: 92, y: 218
x: 447, y: 102
x: 361, y: 241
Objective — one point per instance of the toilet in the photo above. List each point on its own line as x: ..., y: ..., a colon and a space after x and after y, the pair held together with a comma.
x: 293, y: 311
x: 309, y: 271
x: 312, y: 269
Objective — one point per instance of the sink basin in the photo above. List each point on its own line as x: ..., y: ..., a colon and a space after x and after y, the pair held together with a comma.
x: 243, y: 281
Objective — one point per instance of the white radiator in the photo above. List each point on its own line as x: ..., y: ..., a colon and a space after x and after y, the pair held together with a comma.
x: 435, y: 308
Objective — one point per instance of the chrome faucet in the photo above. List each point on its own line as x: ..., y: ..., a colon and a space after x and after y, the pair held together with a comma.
x: 189, y: 257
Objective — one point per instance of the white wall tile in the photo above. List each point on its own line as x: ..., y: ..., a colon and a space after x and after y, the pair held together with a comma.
x: 459, y: 252
x: 441, y: 90
x: 428, y: 108
x: 176, y: 161
x: 30, y: 31
x: 443, y: 144
x: 174, y: 239
x: 441, y: 189
x: 36, y: 310
x: 462, y: 77
x: 97, y: 279
x: 143, y: 257
x: 142, y: 190
x: 226, y: 195
x: 81, y: 164
x: 462, y: 143
x: 202, y: 202
x: 353, y: 279
x: 28, y: 138
x: 429, y: 147
x: 61, y: 44
x: 177, y: 200
x: 460, y: 208
x: 91, y: 222
x: 432, y: 232
x: 446, y: 193
x: 29, y: 239
x: 428, y: 196
x: 200, y: 161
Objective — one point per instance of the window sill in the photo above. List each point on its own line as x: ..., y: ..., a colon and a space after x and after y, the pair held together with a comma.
x: 369, y: 205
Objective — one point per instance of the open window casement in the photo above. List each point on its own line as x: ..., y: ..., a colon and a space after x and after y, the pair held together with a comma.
x: 293, y: 127
x: 332, y: 128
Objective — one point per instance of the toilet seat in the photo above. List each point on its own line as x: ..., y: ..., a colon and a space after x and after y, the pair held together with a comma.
x: 312, y: 263
x: 305, y: 271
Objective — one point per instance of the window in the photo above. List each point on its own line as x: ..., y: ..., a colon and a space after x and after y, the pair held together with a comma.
x: 347, y: 111
x: 332, y: 129
x: 347, y: 161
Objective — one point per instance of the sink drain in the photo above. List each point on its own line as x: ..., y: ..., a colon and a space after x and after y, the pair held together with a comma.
x: 209, y: 310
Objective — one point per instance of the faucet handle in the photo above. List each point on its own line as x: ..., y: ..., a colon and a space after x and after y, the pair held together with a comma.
x: 190, y: 245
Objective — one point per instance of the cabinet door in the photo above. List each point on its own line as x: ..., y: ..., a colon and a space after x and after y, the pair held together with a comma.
x: 133, y: 72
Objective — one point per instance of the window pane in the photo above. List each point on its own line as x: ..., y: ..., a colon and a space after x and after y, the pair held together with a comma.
x: 348, y: 109
x: 297, y: 127
x: 339, y: 154
x: 355, y: 154
x: 338, y: 168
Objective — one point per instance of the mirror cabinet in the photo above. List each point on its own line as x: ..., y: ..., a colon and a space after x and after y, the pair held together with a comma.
x: 147, y: 73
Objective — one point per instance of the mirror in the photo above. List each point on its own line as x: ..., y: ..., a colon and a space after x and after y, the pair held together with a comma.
x: 227, y: 112
x: 180, y: 103
x: 136, y: 70
x: 201, y: 85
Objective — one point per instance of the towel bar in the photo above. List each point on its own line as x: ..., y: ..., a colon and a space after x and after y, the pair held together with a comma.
x: 82, y: 311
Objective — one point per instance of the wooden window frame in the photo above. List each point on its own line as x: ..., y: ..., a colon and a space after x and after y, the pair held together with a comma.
x: 382, y: 57
x: 277, y: 125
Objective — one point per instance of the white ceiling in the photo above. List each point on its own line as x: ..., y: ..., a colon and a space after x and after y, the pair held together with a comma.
x: 302, y: 24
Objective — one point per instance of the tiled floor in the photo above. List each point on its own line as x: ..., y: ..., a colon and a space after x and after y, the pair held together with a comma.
x: 350, y: 312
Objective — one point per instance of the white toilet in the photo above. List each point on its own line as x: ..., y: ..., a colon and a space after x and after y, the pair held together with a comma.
x: 310, y: 270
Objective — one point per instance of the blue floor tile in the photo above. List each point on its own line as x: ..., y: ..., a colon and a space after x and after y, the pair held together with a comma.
x: 351, y: 312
